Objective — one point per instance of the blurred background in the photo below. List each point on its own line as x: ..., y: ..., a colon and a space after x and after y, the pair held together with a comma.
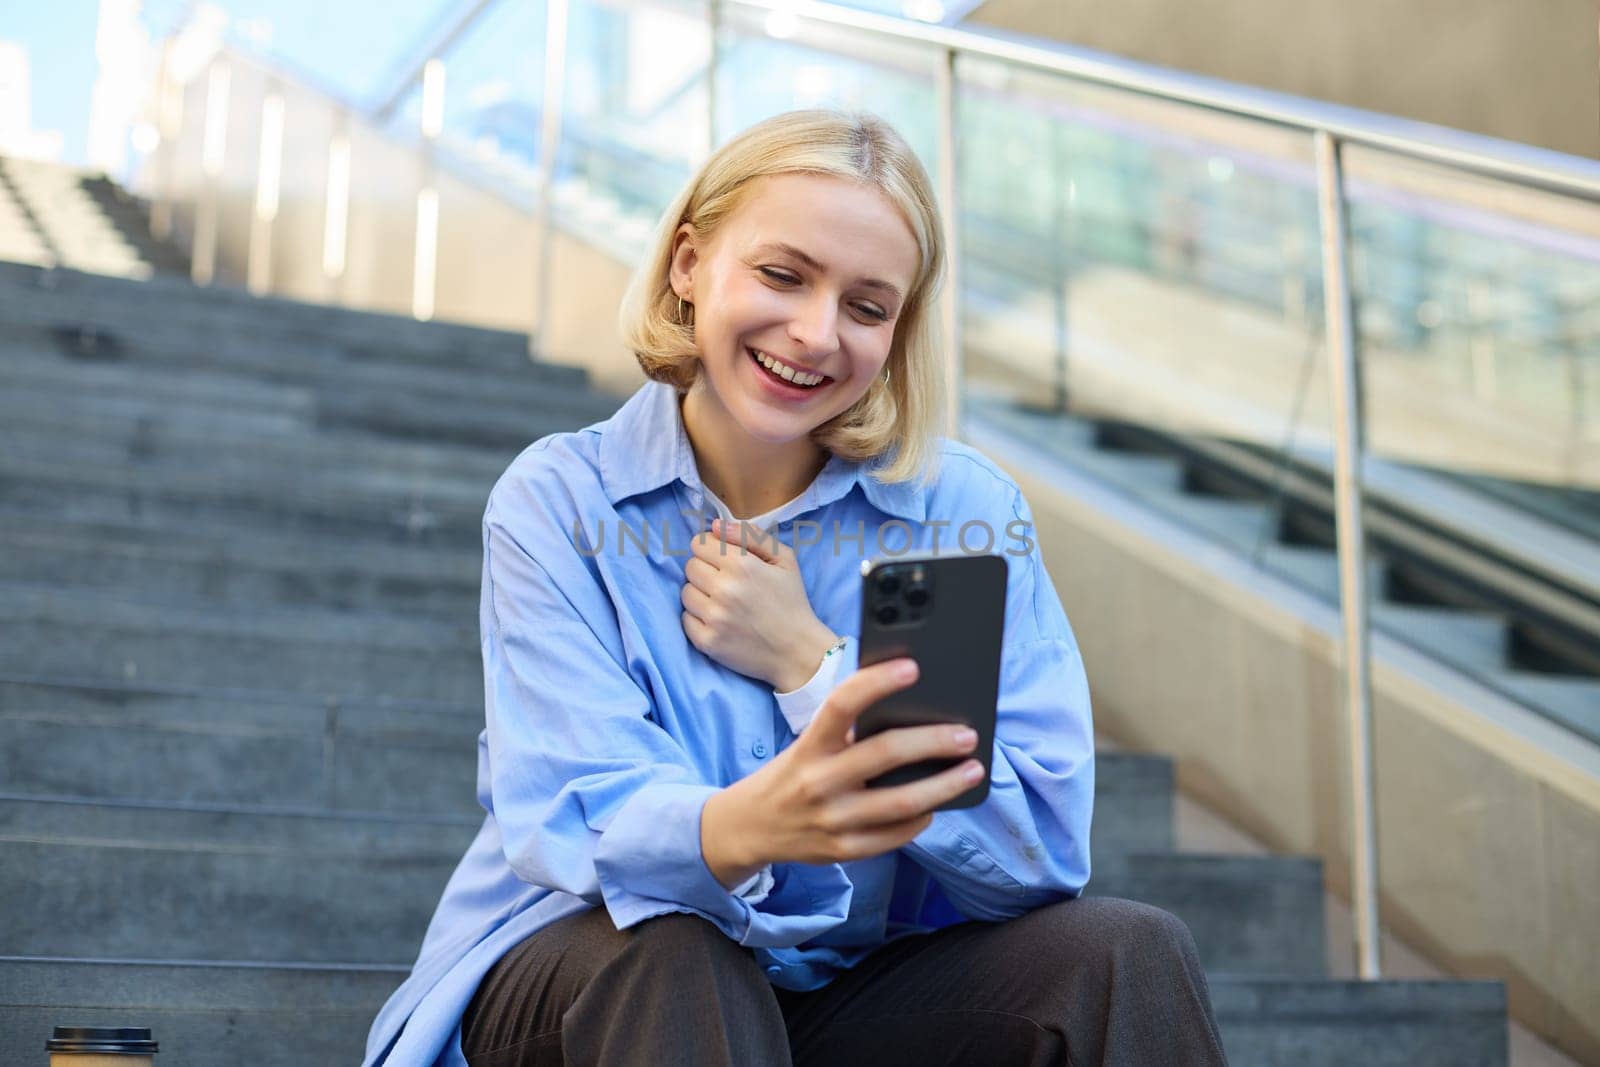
x: 1285, y: 317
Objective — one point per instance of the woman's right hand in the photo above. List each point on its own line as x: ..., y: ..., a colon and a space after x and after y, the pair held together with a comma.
x: 811, y: 803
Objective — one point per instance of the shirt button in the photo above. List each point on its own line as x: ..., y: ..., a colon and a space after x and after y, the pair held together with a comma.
x: 759, y: 749
x: 774, y: 970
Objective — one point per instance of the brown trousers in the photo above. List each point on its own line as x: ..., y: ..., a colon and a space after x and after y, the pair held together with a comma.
x: 1088, y: 981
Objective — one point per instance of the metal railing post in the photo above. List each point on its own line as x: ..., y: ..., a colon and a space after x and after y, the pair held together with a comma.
x: 1062, y: 195
x: 1344, y: 380
x: 213, y: 151
x: 555, y: 58
x: 269, y: 173
x: 714, y: 28
x: 336, y: 210
x: 168, y: 126
x: 425, y: 245
x: 949, y: 194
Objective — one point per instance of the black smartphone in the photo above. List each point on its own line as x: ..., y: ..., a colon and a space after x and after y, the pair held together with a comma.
x: 947, y: 613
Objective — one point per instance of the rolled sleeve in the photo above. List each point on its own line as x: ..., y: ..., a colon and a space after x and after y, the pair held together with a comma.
x: 649, y: 862
x: 755, y: 888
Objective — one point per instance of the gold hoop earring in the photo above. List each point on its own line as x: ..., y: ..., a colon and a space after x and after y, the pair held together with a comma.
x: 886, y: 374
x: 683, y: 319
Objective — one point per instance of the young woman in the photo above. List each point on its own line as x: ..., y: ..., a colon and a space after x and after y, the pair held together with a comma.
x: 680, y: 862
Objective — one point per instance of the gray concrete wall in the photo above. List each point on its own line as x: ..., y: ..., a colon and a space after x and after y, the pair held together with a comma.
x: 1522, y: 71
x: 1488, y: 817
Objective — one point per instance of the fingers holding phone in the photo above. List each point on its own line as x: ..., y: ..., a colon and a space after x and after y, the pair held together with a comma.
x: 815, y: 803
x: 883, y: 752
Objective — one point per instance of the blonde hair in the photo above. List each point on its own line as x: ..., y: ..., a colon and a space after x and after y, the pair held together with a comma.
x: 898, y: 420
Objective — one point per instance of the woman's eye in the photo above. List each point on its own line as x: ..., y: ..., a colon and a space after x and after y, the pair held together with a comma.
x: 866, y: 309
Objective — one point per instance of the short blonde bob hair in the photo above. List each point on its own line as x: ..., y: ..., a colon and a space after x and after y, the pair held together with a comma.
x: 899, y: 420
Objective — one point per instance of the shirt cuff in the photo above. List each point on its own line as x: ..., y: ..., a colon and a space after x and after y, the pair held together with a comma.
x: 799, y: 706
x: 756, y: 887
x: 648, y: 862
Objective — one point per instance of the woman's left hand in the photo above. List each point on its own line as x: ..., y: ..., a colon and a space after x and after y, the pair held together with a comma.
x: 745, y: 606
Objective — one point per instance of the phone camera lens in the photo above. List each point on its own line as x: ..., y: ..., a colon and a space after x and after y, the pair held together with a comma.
x: 888, y: 614
x: 916, y: 595
x: 889, y: 584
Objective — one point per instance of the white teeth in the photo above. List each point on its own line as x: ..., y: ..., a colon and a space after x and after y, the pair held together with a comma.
x: 787, y: 373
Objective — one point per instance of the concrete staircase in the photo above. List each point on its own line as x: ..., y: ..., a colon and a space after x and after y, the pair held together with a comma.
x: 240, y: 689
x: 55, y: 215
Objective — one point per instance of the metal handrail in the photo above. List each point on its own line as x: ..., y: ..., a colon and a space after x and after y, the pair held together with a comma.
x: 1488, y: 156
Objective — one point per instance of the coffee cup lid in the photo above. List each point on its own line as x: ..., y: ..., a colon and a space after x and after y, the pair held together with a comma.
x: 127, y: 1040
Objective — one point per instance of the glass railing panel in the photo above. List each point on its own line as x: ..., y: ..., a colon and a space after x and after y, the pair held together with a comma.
x: 487, y: 256
x: 634, y: 111
x: 1479, y: 343
x: 313, y: 37
x: 770, y: 62
x: 493, y: 100
x: 380, y: 257
x: 302, y: 265
x: 1477, y: 322
x: 235, y: 184
x: 174, y: 172
x: 1127, y: 260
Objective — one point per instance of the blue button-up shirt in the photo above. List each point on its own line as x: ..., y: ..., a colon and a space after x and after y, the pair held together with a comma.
x: 606, y: 730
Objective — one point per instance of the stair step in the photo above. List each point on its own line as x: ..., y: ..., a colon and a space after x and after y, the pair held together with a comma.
x: 1472, y: 641
x: 85, y: 297
x: 1317, y: 569
x: 373, y: 881
x: 329, y: 654
x: 243, y: 446
x: 252, y: 546
x: 227, y: 748
x: 1376, y: 1024
x: 219, y: 884
x: 327, y: 575
x: 200, y: 1014
x: 1258, y: 915
x: 216, y: 389
x: 1571, y: 700
x: 1133, y: 797
x: 335, y: 504
x: 1240, y: 524
x: 260, y: 485
x: 251, y: 358
x: 285, y: 1016
x: 1072, y: 439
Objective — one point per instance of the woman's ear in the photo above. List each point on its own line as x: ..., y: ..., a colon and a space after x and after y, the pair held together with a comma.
x: 680, y: 271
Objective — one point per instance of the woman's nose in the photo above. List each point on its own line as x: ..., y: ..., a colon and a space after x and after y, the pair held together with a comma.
x: 815, y: 325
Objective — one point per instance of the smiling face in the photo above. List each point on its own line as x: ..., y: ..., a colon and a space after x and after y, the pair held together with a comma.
x: 805, y: 280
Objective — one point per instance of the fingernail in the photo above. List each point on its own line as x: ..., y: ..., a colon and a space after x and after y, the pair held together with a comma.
x: 973, y: 772
x: 906, y: 671
x: 963, y: 735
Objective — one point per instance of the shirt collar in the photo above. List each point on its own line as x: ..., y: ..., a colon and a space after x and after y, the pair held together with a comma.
x: 644, y: 446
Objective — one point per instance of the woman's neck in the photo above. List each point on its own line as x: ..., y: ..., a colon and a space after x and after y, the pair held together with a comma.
x: 752, y: 477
